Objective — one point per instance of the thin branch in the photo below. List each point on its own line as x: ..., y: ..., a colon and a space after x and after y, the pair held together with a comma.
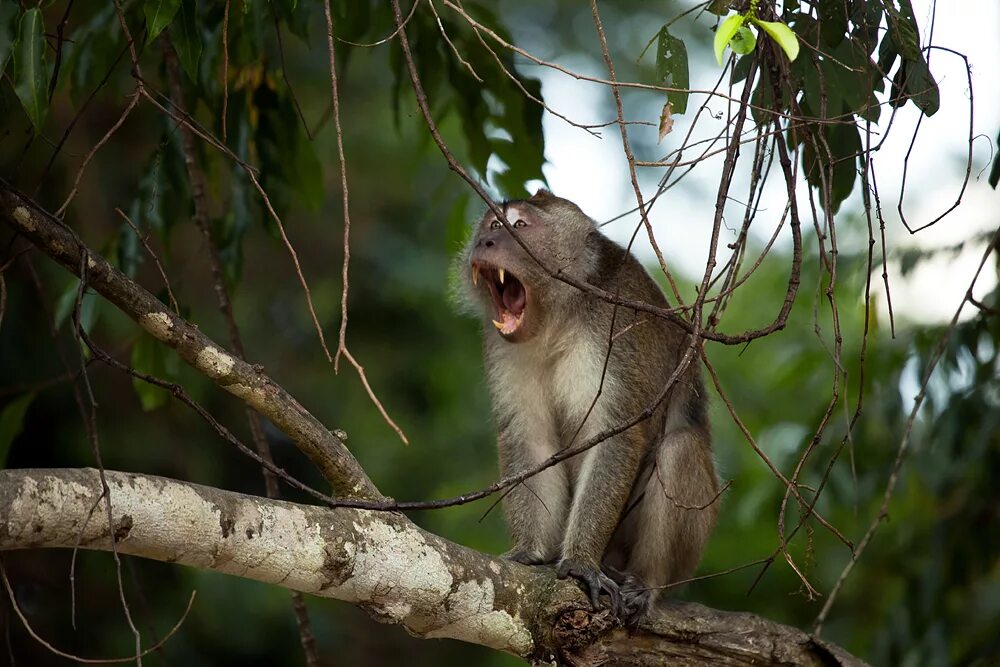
x: 225, y: 69
x: 89, y: 661
x: 248, y: 383
x: 143, y: 238
x: 904, y: 444
x: 93, y: 151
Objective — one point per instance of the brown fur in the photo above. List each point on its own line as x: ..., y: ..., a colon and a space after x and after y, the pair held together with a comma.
x: 624, y: 516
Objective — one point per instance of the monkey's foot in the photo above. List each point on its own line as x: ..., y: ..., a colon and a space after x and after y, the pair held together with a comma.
x: 637, y: 600
x: 594, y: 582
x: 527, y: 557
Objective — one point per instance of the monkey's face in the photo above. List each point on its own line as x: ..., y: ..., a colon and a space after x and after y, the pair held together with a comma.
x: 497, y: 266
x: 515, y: 289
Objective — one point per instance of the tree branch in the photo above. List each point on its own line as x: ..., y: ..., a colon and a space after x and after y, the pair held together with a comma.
x: 380, y: 561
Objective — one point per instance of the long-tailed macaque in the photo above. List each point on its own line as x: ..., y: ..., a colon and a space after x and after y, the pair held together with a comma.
x: 633, y: 513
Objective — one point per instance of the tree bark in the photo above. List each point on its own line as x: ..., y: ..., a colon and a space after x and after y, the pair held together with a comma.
x: 380, y: 561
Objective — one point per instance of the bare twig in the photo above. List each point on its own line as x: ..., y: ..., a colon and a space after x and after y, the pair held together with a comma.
x: 156, y: 260
x: 225, y: 68
x: 904, y: 443
x: 89, y: 661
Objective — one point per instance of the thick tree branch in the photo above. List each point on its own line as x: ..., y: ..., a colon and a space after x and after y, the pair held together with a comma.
x: 248, y: 382
x: 380, y: 561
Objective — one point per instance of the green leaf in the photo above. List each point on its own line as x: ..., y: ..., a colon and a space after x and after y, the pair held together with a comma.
x: 866, y: 18
x: 783, y: 35
x: 672, y: 68
x: 903, y: 30
x: 719, y: 7
x: 913, y: 81
x: 291, y: 170
x: 762, y: 100
x: 89, y: 58
x: 297, y: 18
x: 887, y: 54
x: 187, y: 38
x: 159, y: 14
x: 724, y: 34
x: 830, y: 158
x: 67, y: 302
x: 7, y: 26
x: 741, y: 70
x: 743, y: 42
x: 922, y: 87
x: 833, y: 22
x: 150, y: 356
x: 12, y: 422
x: 30, y: 67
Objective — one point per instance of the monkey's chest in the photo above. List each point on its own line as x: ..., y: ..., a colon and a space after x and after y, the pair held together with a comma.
x: 559, y: 400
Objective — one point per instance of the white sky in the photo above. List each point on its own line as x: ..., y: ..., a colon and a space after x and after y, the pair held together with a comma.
x: 593, y: 172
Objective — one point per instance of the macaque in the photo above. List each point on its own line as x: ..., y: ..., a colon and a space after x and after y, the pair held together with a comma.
x: 632, y: 514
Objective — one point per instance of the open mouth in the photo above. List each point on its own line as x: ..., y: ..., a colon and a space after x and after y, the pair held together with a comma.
x: 508, y: 294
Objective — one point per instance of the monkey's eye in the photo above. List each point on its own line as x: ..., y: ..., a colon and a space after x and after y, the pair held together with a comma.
x: 495, y: 224
x: 520, y: 223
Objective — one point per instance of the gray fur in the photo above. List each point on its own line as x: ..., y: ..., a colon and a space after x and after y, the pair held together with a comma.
x: 624, y: 506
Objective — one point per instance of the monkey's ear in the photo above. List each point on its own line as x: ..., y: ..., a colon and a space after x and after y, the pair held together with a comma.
x: 542, y: 196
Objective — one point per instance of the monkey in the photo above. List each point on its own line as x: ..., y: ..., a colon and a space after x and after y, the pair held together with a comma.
x: 632, y: 514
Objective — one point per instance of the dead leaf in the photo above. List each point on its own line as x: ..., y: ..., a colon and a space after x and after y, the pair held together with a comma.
x: 666, y: 122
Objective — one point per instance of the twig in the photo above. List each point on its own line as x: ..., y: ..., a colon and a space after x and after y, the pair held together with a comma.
x: 225, y: 68
x: 344, y: 190
x: 93, y: 151
x: 159, y: 267
x: 91, y: 424
x: 904, y: 443
x: 387, y: 38
x: 90, y: 661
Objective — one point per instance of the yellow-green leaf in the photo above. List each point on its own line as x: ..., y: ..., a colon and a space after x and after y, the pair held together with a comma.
x: 783, y: 35
x: 725, y: 33
x: 743, y: 42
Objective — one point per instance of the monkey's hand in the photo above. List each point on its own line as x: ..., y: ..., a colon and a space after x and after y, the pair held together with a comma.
x: 527, y: 557
x: 594, y: 582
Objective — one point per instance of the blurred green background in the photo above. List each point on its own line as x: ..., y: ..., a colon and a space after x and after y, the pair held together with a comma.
x: 926, y: 592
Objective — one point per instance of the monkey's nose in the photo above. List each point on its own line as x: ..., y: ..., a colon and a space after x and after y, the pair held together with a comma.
x: 488, y: 243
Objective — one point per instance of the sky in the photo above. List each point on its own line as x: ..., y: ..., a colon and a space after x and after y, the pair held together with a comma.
x: 593, y: 171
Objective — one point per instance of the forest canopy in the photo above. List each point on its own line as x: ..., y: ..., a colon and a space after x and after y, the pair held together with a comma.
x: 290, y: 183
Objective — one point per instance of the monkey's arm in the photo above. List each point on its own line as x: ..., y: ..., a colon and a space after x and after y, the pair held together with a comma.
x: 535, y: 509
x: 603, y: 486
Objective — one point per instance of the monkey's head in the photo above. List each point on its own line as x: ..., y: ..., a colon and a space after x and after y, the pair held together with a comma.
x: 518, y: 294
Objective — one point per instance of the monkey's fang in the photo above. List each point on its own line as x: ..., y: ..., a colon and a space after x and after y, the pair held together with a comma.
x: 509, y: 324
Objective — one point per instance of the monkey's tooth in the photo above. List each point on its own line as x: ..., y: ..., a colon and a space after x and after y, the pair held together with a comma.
x: 475, y: 275
x: 500, y: 271
x: 498, y: 325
